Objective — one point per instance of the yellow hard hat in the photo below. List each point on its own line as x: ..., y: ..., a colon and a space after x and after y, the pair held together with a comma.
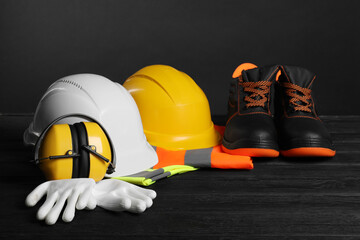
x: 81, y: 150
x: 174, y: 110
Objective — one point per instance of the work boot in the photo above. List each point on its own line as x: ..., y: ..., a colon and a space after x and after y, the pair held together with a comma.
x: 301, y: 132
x: 250, y: 129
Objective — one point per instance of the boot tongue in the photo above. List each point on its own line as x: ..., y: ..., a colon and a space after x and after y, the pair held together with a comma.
x: 259, y: 74
x: 268, y: 74
x: 298, y: 76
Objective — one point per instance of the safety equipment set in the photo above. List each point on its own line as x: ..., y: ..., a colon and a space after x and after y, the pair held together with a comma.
x: 158, y: 124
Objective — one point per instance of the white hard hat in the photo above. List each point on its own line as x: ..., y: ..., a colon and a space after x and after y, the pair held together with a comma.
x: 90, y: 97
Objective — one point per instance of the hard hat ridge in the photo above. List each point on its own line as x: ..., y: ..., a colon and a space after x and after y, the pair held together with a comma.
x: 174, y: 110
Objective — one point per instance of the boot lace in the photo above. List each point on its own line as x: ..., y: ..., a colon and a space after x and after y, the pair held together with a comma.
x: 299, y: 102
x: 259, y: 90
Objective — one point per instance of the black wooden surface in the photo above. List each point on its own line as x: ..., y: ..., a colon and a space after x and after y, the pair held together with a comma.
x: 279, y: 199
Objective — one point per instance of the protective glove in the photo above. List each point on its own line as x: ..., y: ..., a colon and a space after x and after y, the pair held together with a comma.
x: 77, y: 192
x: 116, y: 195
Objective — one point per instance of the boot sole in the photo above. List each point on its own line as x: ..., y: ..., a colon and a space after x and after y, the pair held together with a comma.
x: 308, y: 152
x: 258, y: 149
x: 308, y: 148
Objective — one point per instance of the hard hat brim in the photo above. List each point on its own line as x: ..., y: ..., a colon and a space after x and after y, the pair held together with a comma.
x: 132, y: 162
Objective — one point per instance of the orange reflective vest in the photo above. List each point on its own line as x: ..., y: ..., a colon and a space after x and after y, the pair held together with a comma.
x: 182, y: 161
x: 202, y: 158
x: 213, y: 157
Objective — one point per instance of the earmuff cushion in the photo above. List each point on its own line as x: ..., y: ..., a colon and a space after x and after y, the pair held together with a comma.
x: 84, y: 159
x: 75, y: 148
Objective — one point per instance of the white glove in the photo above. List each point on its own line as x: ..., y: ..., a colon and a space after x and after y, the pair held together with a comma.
x: 116, y: 195
x: 76, y: 192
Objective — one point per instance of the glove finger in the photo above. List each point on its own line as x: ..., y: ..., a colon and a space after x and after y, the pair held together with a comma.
x: 91, y: 203
x: 137, y: 205
x: 54, y: 213
x: 46, y: 207
x: 114, y: 203
x: 33, y: 198
x: 69, y: 211
x: 84, y: 198
x: 148, y: 192
x: 135, y: 193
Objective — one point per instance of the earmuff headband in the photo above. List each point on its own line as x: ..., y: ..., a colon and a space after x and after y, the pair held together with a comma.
x: 84, y: 159
x: 75, y: 144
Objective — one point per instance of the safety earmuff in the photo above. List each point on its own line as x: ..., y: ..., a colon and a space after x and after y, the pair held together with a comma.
x: 81, y: 150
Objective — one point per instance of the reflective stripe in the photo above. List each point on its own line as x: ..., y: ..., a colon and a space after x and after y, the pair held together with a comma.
x: 202, y: 158
x: 198, y: 157
x: 161, y: 176
x: 148, y: 174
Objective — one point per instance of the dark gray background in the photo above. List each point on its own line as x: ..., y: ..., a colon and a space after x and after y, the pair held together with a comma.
x: 41, y: 41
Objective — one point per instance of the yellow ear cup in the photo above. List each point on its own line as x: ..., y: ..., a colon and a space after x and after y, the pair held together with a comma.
x: 98, y: 140
x: 61, y: 153
x: 56, y: 142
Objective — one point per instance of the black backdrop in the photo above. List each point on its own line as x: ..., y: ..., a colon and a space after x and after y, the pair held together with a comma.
x: 41, y: 41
